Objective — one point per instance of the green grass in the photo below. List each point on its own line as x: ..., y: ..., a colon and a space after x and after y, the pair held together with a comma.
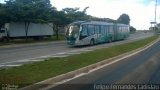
x: 23, y: 41
x: 32, y: 73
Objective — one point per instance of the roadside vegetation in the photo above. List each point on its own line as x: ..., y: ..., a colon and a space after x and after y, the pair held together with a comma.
x: 31, y: 73
x: 44, y: 12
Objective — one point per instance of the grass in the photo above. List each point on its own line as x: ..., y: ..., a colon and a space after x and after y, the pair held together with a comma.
x: 35, y: 72
x: 23, y: 41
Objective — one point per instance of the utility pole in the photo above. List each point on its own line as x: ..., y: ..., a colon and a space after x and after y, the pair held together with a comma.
x: 155, y: 20
x: 155, y: 11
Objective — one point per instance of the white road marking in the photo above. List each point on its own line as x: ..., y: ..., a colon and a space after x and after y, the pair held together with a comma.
x: 61, y: 54
x: 11, y: 65
x: 100, y: 67
x: 42, y: 58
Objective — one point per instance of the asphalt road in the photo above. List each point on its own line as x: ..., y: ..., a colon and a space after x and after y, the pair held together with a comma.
x: 28, y: 53
x: 142, y: 68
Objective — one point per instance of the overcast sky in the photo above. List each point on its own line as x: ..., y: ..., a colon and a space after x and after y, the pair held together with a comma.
x: 141, y: 12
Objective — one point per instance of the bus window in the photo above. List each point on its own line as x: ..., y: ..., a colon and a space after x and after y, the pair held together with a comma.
x: 106, y: 29
x: 120, y: 29
x: 123, y: 29
x: 102, y: 29
x: 110, y: 29
x: 73, y: 31
x: 97, y: 29
x: 90, y: 29
x: 84, y: 32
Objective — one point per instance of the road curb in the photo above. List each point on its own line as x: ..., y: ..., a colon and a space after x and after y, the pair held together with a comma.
x: 43, y: 85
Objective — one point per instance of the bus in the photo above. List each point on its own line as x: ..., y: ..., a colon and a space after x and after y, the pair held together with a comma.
x: 94, y: 32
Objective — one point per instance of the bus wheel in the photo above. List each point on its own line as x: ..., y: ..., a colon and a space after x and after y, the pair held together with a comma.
x: 92, y: 42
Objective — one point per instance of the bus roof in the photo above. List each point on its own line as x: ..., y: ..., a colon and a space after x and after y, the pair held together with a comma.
x: 95, y: 23
x: 90, y: 22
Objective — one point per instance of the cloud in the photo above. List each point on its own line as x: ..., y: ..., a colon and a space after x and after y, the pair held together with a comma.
x: 1, y: 1
x: 141, y: 12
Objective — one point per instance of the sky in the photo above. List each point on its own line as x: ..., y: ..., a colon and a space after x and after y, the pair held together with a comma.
x: 141, y: 12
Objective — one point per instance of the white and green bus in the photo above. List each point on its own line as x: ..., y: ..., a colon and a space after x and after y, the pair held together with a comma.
x: 94, y: 32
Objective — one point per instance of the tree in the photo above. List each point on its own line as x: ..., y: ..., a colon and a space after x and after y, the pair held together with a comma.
x: 132, y: 29
x: 2, y: 15
x: 73, y: 14
x: 124, y: 18
x: 58, y: 18
x: 66, y: 16
x: 28, y: 11
x: 85, y: 9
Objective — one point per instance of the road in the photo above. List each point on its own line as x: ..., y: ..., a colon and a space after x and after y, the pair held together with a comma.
x: 142, y: 68
x: 19, y: 55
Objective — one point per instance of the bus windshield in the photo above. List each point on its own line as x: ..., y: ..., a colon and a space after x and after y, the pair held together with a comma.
x: 73, y: 31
